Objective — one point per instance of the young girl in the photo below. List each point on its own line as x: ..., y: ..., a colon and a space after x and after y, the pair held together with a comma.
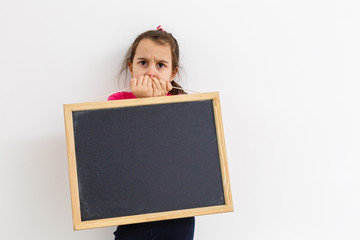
x: 153, y: 62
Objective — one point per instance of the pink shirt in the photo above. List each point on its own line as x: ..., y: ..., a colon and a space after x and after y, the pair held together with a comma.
x: 123, y: 95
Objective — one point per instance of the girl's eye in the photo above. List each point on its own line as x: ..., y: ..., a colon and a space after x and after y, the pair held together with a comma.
x: 143, y: 63
x: 161, y: 65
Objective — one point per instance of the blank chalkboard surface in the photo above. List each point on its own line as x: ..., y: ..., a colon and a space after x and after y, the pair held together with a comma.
x: 147, y: 159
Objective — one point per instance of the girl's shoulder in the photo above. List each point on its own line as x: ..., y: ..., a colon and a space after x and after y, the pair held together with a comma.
x: 121, y: 95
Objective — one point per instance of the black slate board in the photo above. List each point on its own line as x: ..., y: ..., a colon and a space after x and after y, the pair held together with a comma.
x: 147, y: 159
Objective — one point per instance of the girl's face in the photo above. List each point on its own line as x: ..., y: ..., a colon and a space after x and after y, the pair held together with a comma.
x: 152, y: 59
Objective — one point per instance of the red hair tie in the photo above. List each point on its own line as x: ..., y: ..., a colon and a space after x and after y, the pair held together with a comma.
x: 160, y: 28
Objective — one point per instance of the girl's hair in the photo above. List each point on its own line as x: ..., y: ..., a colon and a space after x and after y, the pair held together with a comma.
x: 160, y: 37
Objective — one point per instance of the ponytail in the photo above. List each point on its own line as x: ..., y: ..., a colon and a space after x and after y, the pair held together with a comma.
x: 178, y: 90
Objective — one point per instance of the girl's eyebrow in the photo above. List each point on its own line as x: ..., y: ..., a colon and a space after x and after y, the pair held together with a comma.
x: 141, y: 58
x: 146, y: 59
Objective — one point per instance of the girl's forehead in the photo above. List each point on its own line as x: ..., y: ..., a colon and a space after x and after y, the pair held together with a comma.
x: 147, y: 48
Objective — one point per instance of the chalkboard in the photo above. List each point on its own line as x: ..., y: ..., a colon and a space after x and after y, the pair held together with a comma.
x: 148, y: 159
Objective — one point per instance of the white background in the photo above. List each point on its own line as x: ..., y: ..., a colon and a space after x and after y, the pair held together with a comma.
x: 288, y: 77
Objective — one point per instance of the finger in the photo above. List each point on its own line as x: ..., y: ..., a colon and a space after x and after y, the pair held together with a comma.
x: 154, y: 85
x: 163, y: 86
x: 157, y: 83
x: 168, y: 86
x: 140, y: 81
x: 145, y: 81
x: 149, y: 82
x: 155, y: 89
x: 133, y: 83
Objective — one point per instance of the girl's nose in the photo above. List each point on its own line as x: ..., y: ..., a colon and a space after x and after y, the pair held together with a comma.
x: 151, y: 71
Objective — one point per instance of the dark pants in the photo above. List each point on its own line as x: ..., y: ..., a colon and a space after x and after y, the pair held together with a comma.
x: 176, y: 229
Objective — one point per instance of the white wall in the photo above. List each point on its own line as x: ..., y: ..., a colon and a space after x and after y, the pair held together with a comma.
x: 288, y: 77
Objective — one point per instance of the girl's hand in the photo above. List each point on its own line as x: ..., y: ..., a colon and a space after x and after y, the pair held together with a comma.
x: 142, y: 87
x: 160, y: 88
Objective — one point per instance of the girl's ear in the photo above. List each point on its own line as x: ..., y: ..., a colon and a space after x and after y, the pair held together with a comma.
x: 174, y: 73
x: 130, y: 68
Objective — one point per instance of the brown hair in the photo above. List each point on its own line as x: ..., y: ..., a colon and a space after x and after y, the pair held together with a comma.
x: 159, y: 37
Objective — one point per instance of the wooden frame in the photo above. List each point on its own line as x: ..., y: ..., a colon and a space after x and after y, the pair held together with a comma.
x: 75, y: 202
